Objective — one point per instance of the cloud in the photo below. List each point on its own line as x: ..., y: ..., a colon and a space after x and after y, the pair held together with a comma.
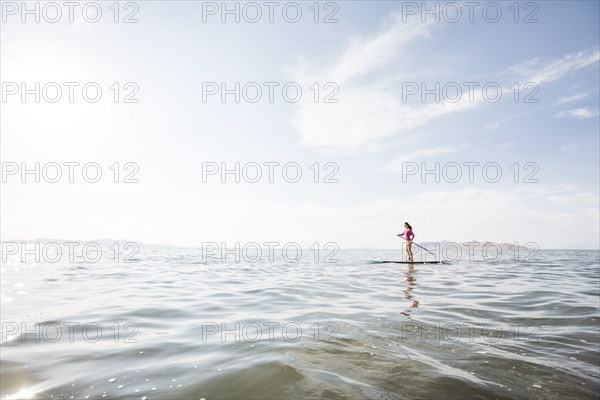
x: 569, y: 99
x: 536, y: 71
x: 492, y: 125
x: 578, y: 113
x: 587, y: 142
x: 497, y: 124
x: 396, y: 165
x: 583, y: 198
x: 365, y: 55
x: 368, y: 110
x: 364, y: 118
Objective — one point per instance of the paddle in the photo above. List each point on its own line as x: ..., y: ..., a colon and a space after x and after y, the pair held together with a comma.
x: 419, y: 246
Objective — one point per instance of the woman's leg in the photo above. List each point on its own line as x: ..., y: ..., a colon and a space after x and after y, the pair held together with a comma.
x: 409, y: 251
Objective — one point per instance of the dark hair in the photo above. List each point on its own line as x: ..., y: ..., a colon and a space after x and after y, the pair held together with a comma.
x: 409, y: 227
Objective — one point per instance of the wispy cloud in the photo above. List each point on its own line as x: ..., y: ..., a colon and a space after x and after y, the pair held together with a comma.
x: 368, y: 111
x: 578, y: 113
x: 586, y: 142
x: 569, y: 99
x: 492, y: 125
x: 365, y: 55
x: 497, y: 124
x: 586, y: 198
x: 396, y: 165
x: 538, y: 71
x: 364, y: 118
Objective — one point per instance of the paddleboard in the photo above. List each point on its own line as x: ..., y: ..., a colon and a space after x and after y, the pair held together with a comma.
x: 404, y: 262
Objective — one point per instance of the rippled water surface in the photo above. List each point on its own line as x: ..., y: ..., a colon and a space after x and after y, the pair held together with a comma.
x: 174, y: 326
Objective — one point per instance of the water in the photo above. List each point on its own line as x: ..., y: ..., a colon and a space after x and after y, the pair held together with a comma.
x: 501, y: 330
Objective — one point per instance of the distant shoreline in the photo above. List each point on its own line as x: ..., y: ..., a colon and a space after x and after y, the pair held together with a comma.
x: 428, y: 245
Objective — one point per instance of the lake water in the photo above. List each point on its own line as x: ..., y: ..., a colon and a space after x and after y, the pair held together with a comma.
x: 177, y: 326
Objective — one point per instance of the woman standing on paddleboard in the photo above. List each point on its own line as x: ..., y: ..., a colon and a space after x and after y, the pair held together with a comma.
x: 409, y: 236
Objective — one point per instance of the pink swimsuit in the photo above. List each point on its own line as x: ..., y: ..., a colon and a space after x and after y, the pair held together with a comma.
x: 408, y: 234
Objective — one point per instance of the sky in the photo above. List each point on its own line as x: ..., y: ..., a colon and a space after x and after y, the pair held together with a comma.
x: 388, y: 91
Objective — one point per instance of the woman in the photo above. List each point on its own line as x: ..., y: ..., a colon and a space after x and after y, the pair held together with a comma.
x: 408, y: 235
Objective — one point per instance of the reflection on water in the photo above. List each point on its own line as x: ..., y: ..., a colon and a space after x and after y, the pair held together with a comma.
x: 176, y: 327
x: 411, y: 282
x: 22, y: 394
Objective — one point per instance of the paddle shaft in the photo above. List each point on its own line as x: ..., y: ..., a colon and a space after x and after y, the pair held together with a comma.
x: 419, y: 246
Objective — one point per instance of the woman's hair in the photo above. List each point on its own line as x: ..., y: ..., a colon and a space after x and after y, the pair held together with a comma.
x: 407, y: 224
